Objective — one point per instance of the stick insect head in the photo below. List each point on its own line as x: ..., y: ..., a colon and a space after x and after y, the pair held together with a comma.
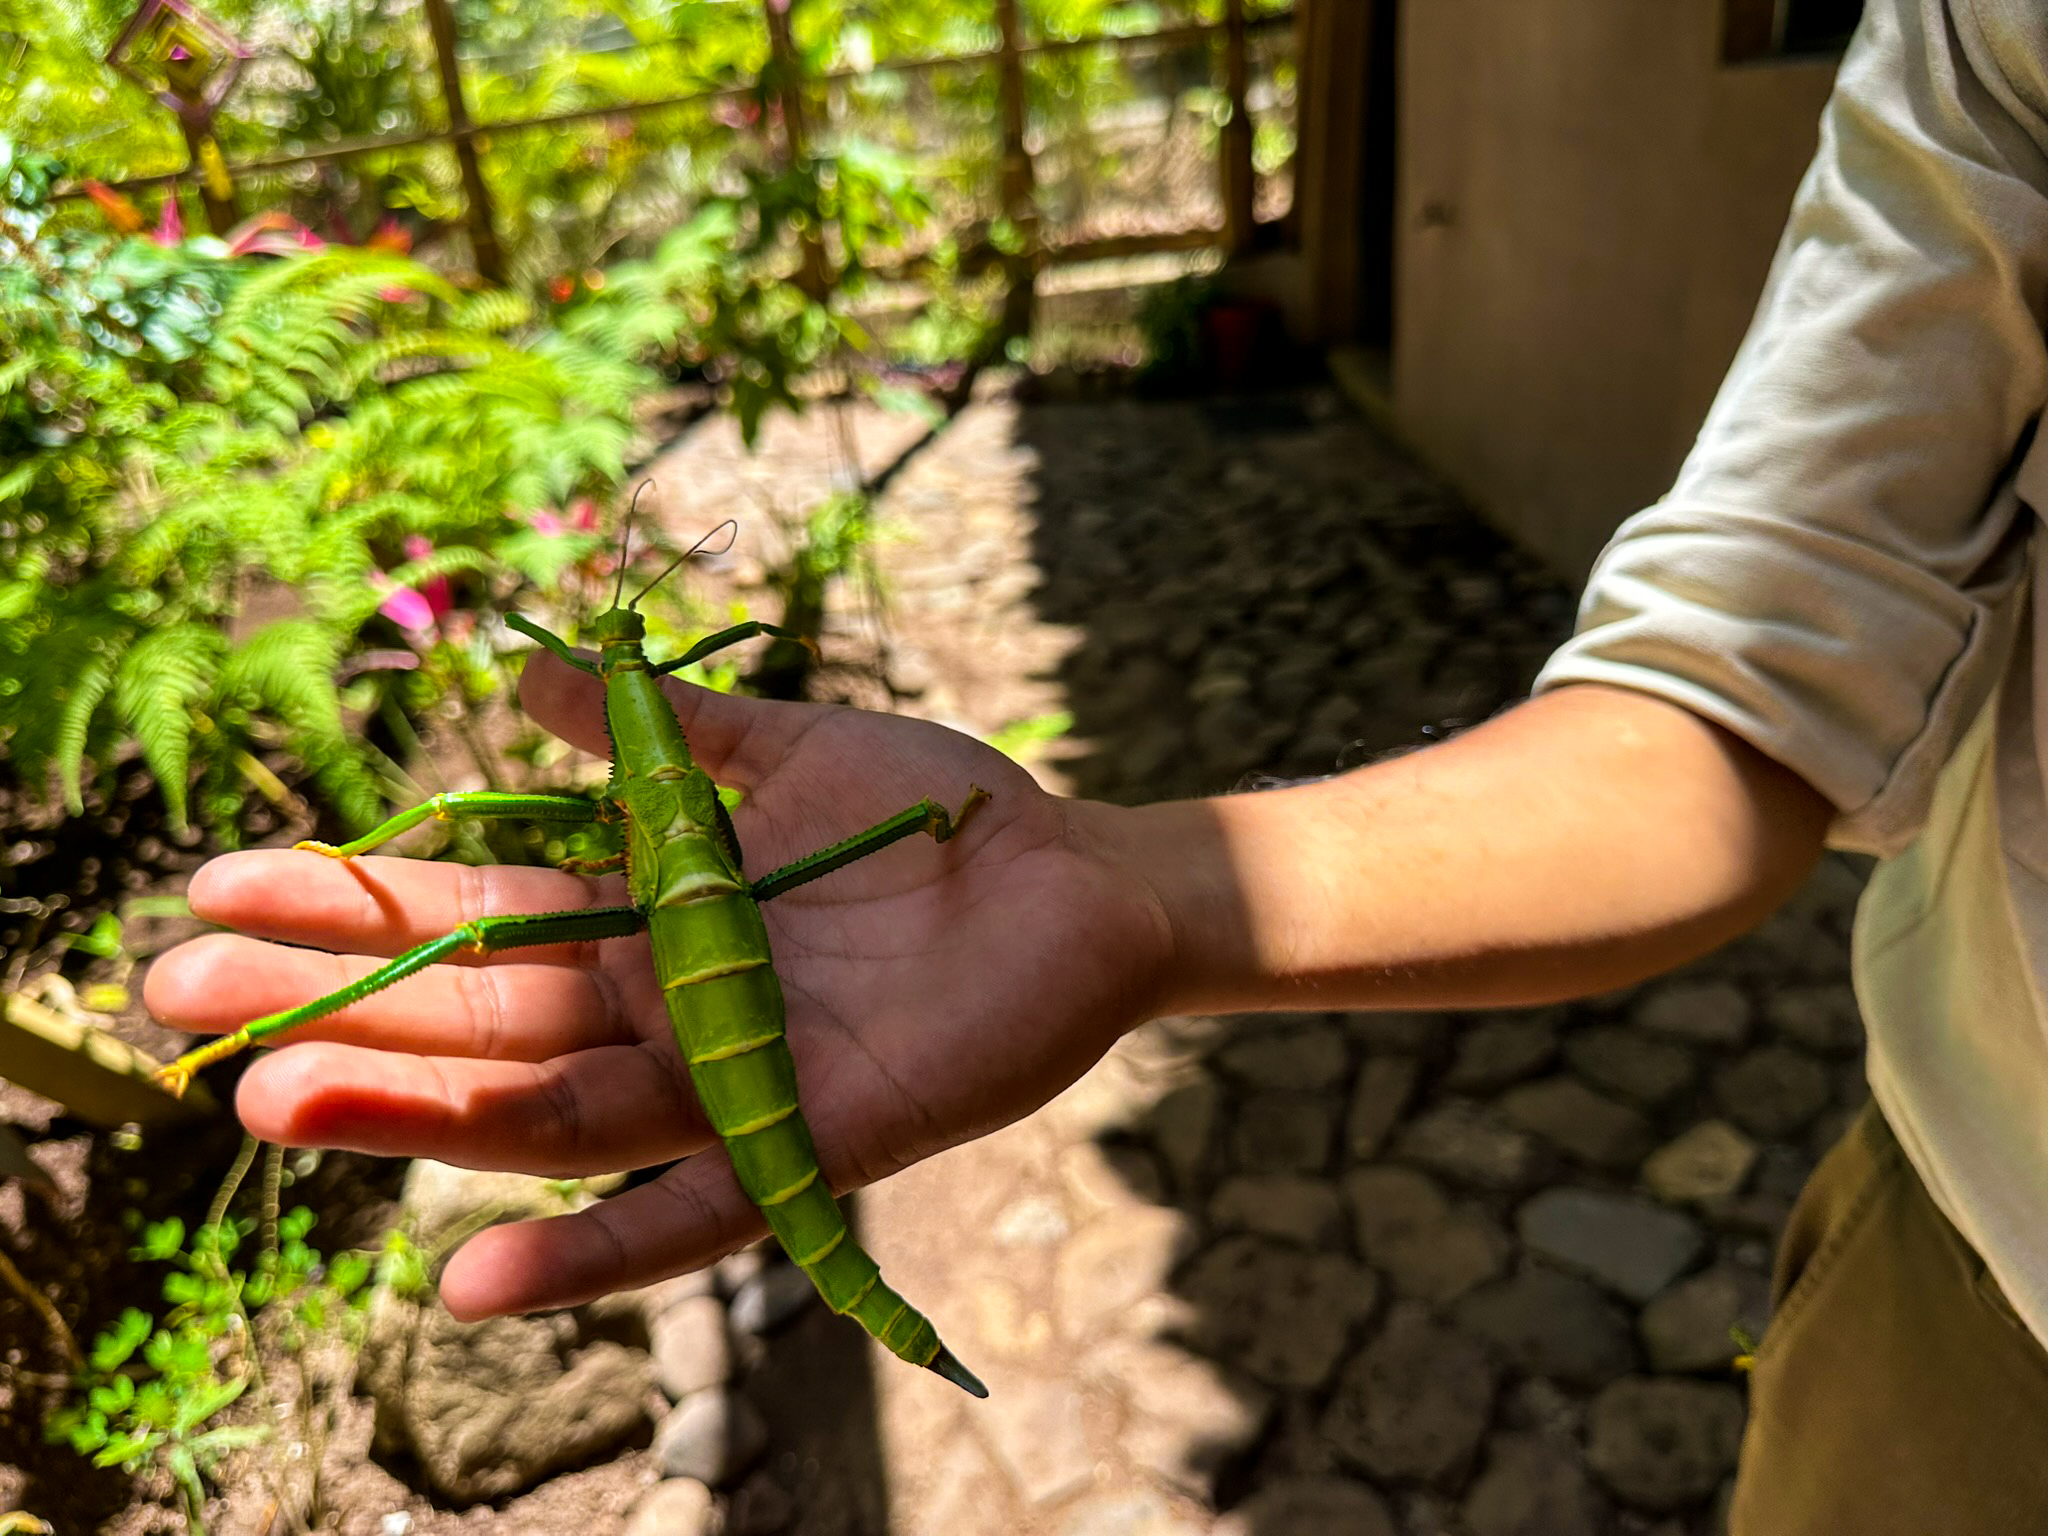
x: 616, y: 627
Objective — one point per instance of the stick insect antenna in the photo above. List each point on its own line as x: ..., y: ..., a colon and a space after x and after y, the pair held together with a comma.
x: 626, y: 541
x: 731, y: 527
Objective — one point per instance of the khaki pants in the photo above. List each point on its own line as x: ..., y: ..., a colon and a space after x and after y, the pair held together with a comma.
x: 1895, y: 1393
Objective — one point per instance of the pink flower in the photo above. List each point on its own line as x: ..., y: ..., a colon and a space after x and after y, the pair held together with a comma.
x: 416, y: 610
x: 272, y: 234
x: 582, y: 517
x: 408, y: 610
x: 439, y: 595
x: 170, y: 228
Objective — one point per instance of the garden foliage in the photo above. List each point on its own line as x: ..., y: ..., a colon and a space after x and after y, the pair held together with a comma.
x: 179, y: 424
x: 186, y: 423
x: 302, y: 420
x: 156, y: 1392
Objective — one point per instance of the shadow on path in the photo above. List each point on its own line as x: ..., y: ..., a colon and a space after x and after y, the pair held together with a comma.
x: 1457, y: 1274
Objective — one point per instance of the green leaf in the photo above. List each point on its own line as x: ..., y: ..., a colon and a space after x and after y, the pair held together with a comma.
x: 163, y: 679
x: 111, y: 1350
x: 1020, y: 737
x: 102, y: 939
x: 348, y: 1273
x: 184, y: 1353
x: 75, y: 720
x: 85, y: 1433
x: 129, y: 1447
x: 216, y: 1443
x: 161, y: 1240
x: 204, y: 1403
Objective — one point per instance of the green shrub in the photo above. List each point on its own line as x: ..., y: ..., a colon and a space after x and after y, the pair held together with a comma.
x: 179, y: 425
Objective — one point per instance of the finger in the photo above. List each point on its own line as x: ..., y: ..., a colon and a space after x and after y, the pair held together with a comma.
x: 738, y: 741
x: 693, y: 1214
x: 594, y: 1112
x: 380, y: 906
x: 505, y: 1012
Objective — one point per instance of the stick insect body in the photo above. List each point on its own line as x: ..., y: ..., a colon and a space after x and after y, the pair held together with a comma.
x: 702, y: 916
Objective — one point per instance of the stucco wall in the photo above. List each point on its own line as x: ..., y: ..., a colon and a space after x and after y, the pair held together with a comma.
x: 1588, y: 201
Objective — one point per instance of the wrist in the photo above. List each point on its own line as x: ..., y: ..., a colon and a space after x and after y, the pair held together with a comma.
x: 1172, y: 861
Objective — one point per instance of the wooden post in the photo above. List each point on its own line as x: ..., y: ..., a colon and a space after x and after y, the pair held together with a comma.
x: 1344, y: 166
x: 483, y: 231
x: 1751, y: 29
x: 1019, y: 184
x: 210, y: 171
x: 815, y: 277
x: 101, y: 1080
x: 1238, y: 183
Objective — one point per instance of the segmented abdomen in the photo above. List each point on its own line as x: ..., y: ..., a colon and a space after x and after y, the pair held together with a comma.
x: 726, y: 1006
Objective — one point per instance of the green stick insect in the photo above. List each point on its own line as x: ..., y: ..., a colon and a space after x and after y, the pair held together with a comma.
x: 702, y: 916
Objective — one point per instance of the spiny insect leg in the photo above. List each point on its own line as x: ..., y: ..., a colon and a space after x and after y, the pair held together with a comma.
x: 926, y: 816
x: 483, y: 936
x: 711, y: 644
x: 486, y: 805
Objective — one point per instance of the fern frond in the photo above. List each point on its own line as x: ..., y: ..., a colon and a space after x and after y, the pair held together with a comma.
x: 164, y: 676
x: 288, y: 669
x: 493, y: 309
x: 82, y: 699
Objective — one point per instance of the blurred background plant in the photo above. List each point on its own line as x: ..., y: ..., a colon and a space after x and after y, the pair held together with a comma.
x: 192, y: 433
x: 195, y: 432
x: 244, y: 1358
x: 265, y: 491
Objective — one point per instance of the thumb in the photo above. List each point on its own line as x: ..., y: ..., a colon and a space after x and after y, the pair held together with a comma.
x: 737, y: 741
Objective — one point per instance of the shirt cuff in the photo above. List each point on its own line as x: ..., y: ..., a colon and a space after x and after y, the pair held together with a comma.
x: 1850, y: 665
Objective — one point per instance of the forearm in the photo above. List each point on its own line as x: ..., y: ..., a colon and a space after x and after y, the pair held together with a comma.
x: 1581, y: 842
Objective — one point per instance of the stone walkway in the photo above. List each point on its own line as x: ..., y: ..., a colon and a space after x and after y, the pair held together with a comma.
x: 1374, y: 1273
x: 1425, y: 1274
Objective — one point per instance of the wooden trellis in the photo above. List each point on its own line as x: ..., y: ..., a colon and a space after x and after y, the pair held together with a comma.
x: 1007, y: 60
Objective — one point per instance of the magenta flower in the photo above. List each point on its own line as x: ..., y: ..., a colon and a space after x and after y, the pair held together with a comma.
x: 408, y: 610
x: 272, y: 234
x: 582, y: 517
x: 416, y: 610
x: 170, y: 228
x: 439, y: 595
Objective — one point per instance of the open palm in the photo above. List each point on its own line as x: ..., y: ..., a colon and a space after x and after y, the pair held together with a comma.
x: 934, y: 992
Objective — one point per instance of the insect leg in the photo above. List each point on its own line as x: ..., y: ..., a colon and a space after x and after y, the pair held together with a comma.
x: 553, y: 642
x: 483, y: 936
x: 925, y: 816
x: 487, y: 805
x: 725, y: 637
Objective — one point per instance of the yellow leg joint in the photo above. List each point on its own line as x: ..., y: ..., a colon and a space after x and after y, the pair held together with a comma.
x: 177, y: 1077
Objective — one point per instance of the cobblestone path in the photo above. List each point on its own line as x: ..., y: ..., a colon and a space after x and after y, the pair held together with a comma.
x: 1375, y: 1273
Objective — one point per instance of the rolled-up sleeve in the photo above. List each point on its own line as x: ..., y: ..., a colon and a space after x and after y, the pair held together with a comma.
x: 1836, y: 574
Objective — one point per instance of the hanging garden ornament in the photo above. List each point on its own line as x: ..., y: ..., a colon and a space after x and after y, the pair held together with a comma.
x: 179, y: 55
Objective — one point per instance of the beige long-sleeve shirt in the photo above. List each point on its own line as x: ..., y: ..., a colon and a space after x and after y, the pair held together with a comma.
x: 1842, y: 575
